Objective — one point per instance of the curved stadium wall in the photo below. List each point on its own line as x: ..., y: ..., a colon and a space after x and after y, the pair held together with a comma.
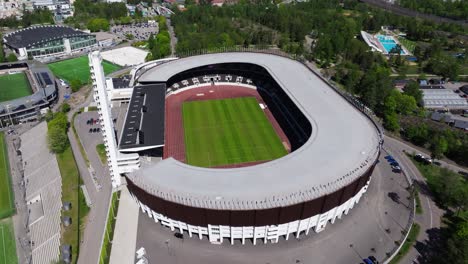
x: 265, y: 222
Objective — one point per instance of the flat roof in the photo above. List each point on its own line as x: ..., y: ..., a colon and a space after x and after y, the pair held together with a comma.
x: 37, y: 34
x: 343, y: 145
x: 144, y: 123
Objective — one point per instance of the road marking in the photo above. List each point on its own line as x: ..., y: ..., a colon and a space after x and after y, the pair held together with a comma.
x: 430, y: 209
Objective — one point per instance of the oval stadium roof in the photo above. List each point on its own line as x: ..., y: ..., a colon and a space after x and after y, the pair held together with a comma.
x: 37, y: 34
x: 343, y: 145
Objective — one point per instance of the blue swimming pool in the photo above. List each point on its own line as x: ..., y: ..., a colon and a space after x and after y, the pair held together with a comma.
x: 388, y: 43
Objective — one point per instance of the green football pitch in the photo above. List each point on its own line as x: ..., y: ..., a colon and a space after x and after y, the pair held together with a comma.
x: 14, y: 86
x: 6, y: 193
x: 78, y: 68
x: 228, y: 131
x: 7, y: 242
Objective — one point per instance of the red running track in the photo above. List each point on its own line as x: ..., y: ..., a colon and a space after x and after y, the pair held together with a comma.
x: 174, y: 128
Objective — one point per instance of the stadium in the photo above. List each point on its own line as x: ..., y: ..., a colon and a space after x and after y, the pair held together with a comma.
x: 245, y: 146
x: 47, y: 42
x: 26, y: 90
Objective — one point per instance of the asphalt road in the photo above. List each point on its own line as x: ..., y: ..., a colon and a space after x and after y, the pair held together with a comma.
x: 430, y: 220
x: 384, y: 206
x: 92, y: 238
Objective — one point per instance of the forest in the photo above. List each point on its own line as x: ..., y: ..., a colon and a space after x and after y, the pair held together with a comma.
x: 450, y: 9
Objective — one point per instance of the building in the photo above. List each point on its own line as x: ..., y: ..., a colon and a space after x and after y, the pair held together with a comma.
x: 118, y: 162
x: 436, y: 97
x: 316, y: 183
x: 41, y: 42
x: 44, y: 93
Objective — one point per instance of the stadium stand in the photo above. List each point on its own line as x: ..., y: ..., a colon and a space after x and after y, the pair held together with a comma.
x: 43, y: 185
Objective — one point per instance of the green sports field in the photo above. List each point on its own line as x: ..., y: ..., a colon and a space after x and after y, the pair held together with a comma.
x: 7, y: 242
x: 7, y: 206
x: 228, y: 131
x: 78, y: 68
x: 14, y: 86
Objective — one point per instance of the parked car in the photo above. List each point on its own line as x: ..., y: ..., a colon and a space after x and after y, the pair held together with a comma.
x: 373, y: 259
x: 94, y: 129
x: 179, y: 235
x: 396, y: 169
x: 98, y: 129
x: 90, y: 130
x: 394, y: 164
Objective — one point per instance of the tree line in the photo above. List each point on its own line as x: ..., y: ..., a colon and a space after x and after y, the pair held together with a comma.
x: 96, y: 15
x: 450, y: 9
x: 159, y: 45
x: 37, y: 16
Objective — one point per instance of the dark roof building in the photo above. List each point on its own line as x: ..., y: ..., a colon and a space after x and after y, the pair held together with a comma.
x: 49, y: 40
x: 144, y: 124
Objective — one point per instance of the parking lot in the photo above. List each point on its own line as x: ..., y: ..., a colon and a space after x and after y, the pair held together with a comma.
x: 140, y: 31
x: 371, y: 228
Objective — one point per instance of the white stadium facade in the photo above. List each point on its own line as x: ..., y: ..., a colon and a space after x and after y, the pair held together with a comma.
x: 335, y: 146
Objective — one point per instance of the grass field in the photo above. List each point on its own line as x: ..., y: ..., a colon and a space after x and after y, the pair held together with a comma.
x: 78, y: 69
x: 110, y: 226
x: 14, y: 86
x: 228, y: 131
x: 7, y: 205
x: 71, y: 182
x: 7, y: 242
x: 101, y: 151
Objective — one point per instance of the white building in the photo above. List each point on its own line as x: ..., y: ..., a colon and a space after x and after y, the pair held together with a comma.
x: 118, y: 162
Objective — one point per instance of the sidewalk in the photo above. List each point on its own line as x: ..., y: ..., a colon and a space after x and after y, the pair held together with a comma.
x: 125, y: 233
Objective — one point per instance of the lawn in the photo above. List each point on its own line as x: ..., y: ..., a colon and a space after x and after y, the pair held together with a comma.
x: 78, y: 69
x: 7, y: 242
x: 101, y: 151
x: 228, y: 131
x: 110, y: 225
x: 71, y: 182
x: 14, y: 86
x: 7, y: 205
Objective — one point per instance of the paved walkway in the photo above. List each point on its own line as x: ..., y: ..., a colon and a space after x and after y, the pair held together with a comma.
x: 125, y: 232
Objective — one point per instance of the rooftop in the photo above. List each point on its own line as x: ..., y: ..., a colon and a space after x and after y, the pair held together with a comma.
x: 144, y: 123
x: 343, y: 145
x: 36, y: 34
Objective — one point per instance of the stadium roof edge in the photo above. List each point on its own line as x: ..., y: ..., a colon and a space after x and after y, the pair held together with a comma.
x: 330, y: 159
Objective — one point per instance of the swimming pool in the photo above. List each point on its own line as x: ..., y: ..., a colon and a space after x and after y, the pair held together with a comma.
x: 388, y: 42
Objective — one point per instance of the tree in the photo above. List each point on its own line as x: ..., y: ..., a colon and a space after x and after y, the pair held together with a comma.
x: 412, y: 89
x: 438, y: 147
x: 12, y: 57
x: 391, y: 122
x: 75, y: 85
x: 65, y: 108
x: 57, y: 140
x: 98, y: 24
x: 57, y: 133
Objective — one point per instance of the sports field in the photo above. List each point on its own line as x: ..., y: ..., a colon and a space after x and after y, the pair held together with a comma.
x: 6, y: 193
x: 7, y: 242
x: 78, y: 68
x: 14, y: 86
x: 228, y: 131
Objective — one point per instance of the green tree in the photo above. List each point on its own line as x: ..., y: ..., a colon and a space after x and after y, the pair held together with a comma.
x: 98, y: 24
x: 412, y: 89
x: 75, y: 85
x: 65, y: 108
x: 12, y: 57
x: 438, y: 147
x: 391, y: 122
